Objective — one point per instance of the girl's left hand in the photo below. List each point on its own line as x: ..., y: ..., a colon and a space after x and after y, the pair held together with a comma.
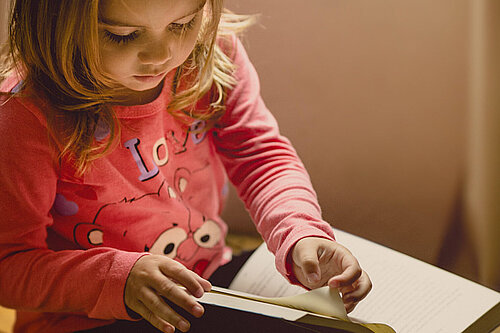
x: 319, y: 261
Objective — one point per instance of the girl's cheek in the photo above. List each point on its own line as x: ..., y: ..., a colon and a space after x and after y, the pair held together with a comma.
x: 117, y: 62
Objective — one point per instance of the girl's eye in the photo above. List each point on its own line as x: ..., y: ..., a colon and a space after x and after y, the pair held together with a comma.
x: 120, y: 39
x: 179, y: 27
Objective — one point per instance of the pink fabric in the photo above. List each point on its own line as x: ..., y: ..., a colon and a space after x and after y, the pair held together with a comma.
x: 67, y: 243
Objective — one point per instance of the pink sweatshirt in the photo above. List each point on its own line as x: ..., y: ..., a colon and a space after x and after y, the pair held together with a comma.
x: 67, y: 243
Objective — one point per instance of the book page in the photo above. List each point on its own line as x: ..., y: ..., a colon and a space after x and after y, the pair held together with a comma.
x: 409, y: 295
x: 323, y: 301
x: 227, y: 298
x: 259, y: 276
x: 413, y: 296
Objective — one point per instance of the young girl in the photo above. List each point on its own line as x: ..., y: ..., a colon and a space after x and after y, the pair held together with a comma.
x: 121, y: 122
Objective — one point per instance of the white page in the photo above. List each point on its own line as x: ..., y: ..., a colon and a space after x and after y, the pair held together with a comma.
x: 409, y: 295
x: 413, y: 296
x: 259, y: 277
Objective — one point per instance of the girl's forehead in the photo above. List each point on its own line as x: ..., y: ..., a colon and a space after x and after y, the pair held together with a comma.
x: 146, y: 12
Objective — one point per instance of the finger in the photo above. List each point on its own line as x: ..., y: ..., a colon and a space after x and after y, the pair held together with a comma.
x: 307, y: 259
x: 205, y: 284
x: 350, y: 306
x: 160, y: 309
x: 190, y: 280
x: 173, y: 292
x: 157, y: 322
x: 347, y: 277
x: 347, y: 289
x: 354, y: 297
x: 157, y: 306
x: 360, y: 291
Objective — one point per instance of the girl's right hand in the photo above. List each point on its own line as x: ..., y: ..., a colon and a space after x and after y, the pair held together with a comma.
x: 154, y: 277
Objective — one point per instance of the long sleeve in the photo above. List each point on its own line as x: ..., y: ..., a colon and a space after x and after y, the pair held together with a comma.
x: 32, y: 276
x: 265, y: 169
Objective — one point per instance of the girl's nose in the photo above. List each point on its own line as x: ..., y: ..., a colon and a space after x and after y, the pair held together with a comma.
x: 155, y: 53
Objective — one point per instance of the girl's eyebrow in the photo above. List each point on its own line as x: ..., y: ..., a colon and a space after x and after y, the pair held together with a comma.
x: 122, y: 24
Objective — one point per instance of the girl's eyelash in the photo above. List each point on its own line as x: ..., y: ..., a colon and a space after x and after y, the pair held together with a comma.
x: 124, y: 39
x: 178, y: 27
x: 120, y: 39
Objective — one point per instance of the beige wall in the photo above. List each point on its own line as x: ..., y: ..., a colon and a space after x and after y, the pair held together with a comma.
x: 374, y: 96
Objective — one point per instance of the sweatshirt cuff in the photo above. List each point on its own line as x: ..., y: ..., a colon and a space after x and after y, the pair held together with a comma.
x: 111, y: 302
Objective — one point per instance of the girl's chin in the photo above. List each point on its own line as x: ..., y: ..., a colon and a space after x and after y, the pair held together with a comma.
x: 134, y: 96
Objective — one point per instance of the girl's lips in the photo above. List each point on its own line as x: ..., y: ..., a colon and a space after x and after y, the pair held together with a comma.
x: 149, y: 78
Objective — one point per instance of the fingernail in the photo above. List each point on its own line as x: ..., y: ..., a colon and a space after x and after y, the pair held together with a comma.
x: 198, y: 310
x: 183, y: 325
x: 334, y: 284
x: 198, y: 293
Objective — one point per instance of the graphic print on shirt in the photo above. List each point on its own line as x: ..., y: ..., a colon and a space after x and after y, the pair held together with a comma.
x: 195, y: 246
x: 174, y: 229
x: 168, y: 144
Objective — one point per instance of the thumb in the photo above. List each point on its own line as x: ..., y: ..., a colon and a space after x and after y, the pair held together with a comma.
x: 307, y: 259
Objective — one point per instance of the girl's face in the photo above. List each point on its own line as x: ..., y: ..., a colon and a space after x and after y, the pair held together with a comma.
x: 142, y: 40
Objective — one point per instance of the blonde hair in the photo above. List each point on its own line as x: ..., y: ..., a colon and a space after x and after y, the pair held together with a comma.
x: 56, y: 53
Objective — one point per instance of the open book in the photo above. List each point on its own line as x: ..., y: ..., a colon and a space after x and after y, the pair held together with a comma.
x: 408, y: 295
x: 260, y: 289
x: 318, y: 308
